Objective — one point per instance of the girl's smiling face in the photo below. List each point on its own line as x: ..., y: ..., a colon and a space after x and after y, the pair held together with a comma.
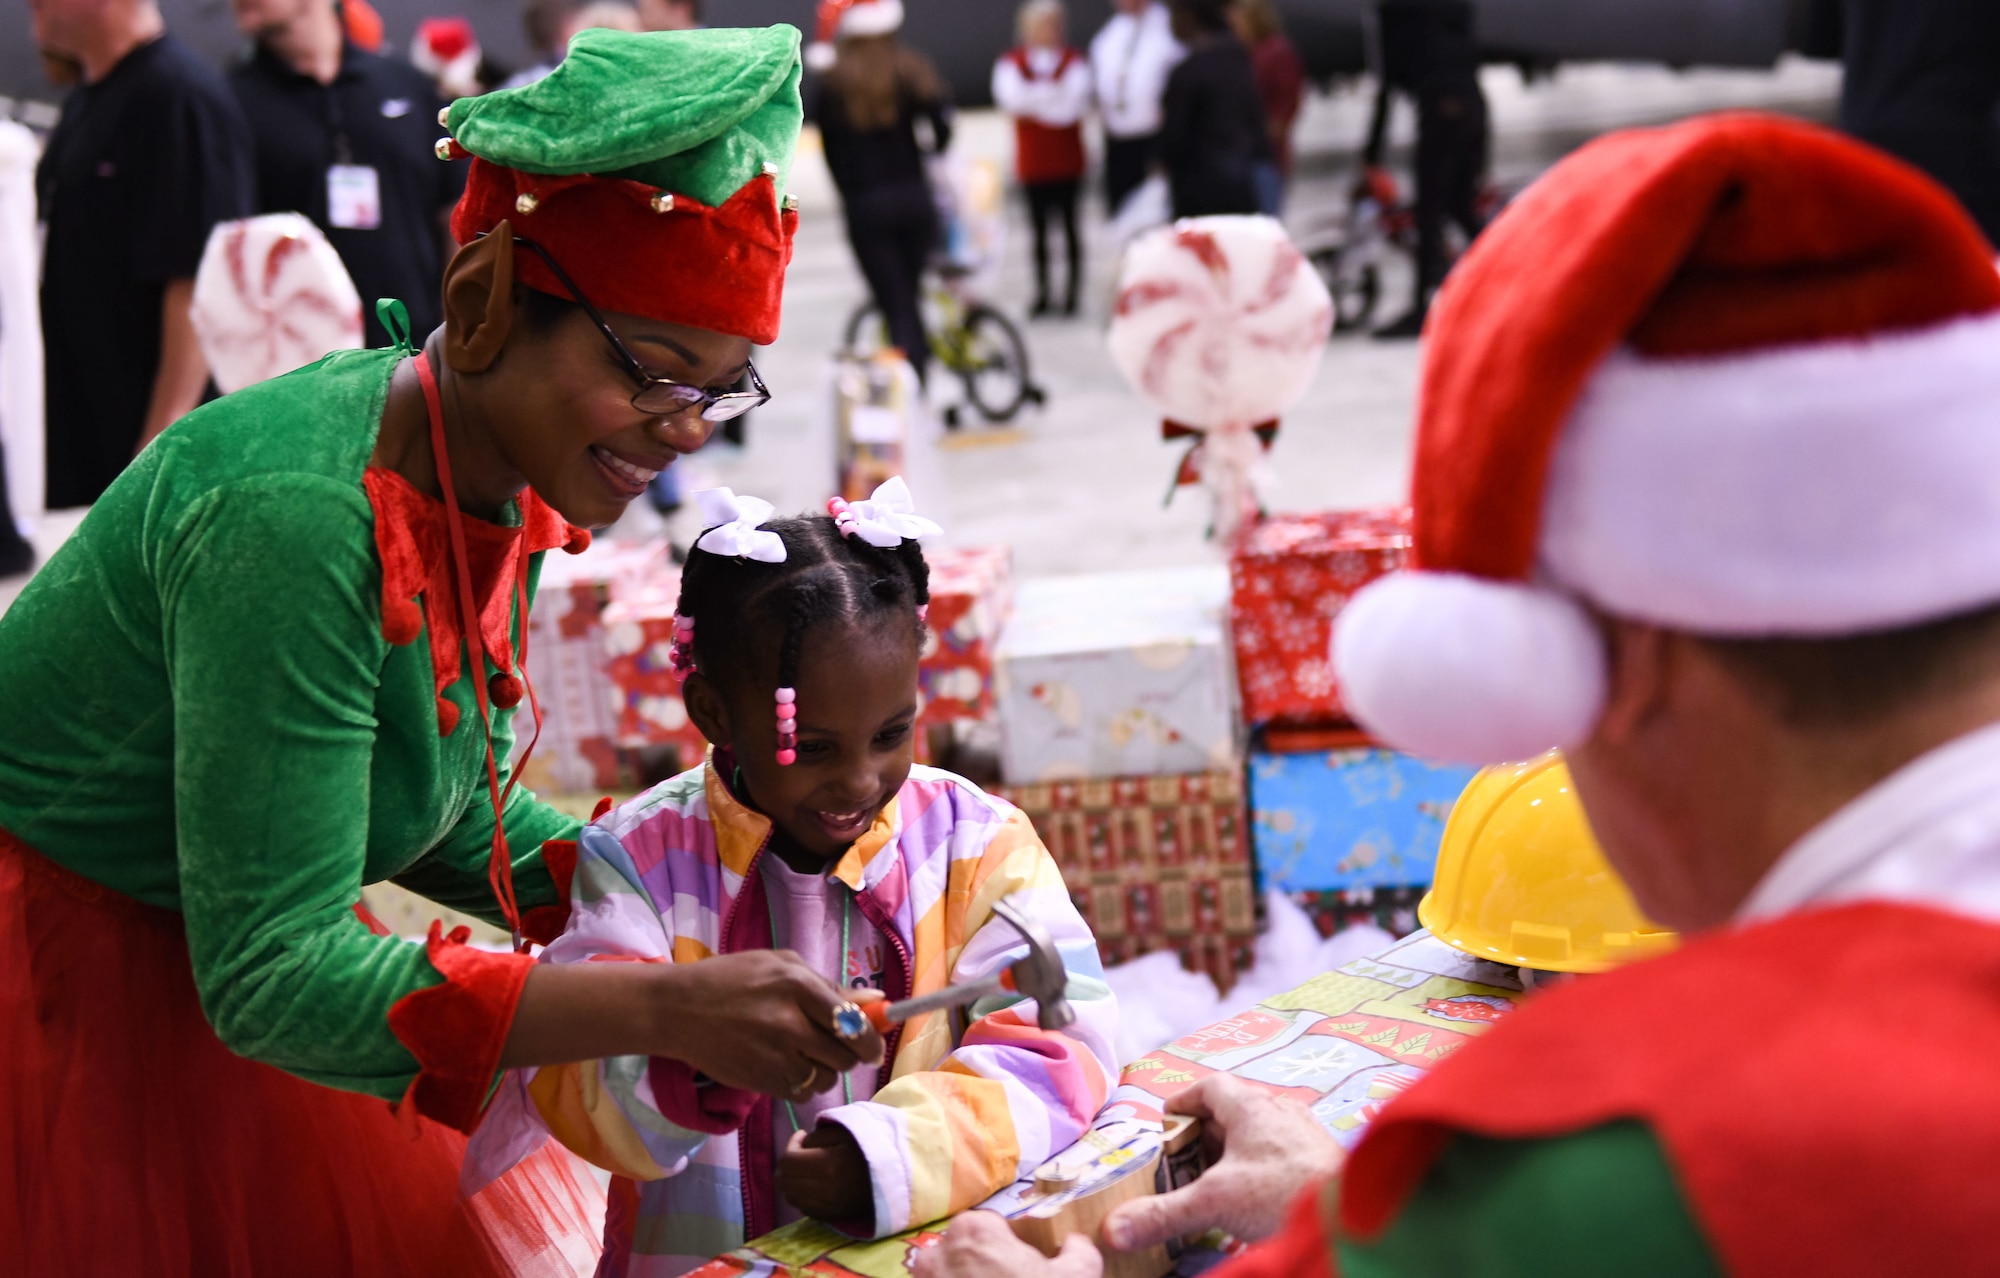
x: 857, y: 707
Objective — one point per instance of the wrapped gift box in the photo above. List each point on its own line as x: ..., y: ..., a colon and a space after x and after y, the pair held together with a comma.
x: 1116, y: 674
x: 1290, y: 575
x: 577, y: 752
x: 1394, y: 910
x: 972, y: 593
x: 1337, y: 819
x: 643, y: 695
x: 1154, y: 863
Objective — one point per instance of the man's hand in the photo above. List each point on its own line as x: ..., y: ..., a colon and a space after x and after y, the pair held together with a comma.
x: 980, y: 1245
x: 823, y: 1174
x: 1262, y: 1152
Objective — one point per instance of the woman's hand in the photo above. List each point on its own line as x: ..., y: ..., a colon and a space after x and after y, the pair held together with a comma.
x: 1263, y: 1150
x: 823, y: 1174
x: 980, y: 1244
x: 762, y: 1021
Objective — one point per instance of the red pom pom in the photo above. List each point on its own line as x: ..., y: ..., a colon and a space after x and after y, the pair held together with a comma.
x: 402, y: 621
x: 505, y: 690
x: 579, y: 541
x: 447, y: 716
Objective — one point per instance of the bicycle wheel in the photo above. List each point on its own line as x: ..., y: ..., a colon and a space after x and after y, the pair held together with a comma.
x: 1355, y: 287
x: 867, y: 331
x: 992, y: 361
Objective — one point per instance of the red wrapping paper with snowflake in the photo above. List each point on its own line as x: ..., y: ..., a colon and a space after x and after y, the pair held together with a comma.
x: 645, y: 694
x: 972, y: 593
x: 1219, y: 326
x: 1290, y: 575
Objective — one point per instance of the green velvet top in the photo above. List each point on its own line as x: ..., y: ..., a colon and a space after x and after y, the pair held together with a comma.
x: 1596, y: 1202
x: 202, y: 713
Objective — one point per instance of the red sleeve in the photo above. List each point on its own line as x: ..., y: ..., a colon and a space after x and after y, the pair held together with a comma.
x: 1300, y: 1250
x: 545, y: 923
x: 710, y: 1107
x: 457, y: 1029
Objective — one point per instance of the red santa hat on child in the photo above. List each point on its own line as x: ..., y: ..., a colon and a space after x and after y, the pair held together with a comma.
x: 848, y: 19
x: 1738, y: 376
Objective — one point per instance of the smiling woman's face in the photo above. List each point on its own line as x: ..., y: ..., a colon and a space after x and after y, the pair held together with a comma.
x: 558, y: 402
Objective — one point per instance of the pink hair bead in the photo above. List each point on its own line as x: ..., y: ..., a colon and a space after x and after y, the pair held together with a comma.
x: 787, y: 711
x: 786, y: 758
x: 787, y: 696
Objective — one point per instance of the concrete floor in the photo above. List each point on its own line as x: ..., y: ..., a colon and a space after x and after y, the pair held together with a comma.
x: 1077, y: 486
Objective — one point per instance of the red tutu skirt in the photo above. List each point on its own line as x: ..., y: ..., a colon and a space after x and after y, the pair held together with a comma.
x: 132, y: 1142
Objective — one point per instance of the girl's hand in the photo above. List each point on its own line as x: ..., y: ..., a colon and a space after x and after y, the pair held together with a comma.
x: 761, y: 1021
x: 823, y: 1174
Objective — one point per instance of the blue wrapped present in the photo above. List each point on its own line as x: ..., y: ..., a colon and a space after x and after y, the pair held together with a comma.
x: 1329, y: 820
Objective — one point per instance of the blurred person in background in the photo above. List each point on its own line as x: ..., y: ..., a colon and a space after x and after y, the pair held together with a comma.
x: 546, y: 23
x: 1923, y: 83
x: 1281, y: 82
x: 1213, y: 135
x: 670, y: 15
x: 1045, y: 85
x: 1129, y: 60
x: 1429, y: 51
x: 348, y: 138
x: 868, y: 107
x: 150, y: 154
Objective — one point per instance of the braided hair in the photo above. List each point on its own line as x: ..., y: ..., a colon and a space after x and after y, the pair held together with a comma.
x: 825, y: 578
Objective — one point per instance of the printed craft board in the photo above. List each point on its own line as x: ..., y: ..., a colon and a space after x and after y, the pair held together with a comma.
x: 1342, y: 1044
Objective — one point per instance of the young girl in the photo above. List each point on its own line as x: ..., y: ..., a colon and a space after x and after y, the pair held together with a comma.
x: 808, y: 830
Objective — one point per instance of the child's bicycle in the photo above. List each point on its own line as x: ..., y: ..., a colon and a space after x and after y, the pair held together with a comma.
x: 1350, y: 251
x: 969, y: 338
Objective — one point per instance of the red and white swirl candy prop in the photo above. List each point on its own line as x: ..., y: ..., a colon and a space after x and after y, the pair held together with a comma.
x: 1220, y: 324
x: 271, y: 296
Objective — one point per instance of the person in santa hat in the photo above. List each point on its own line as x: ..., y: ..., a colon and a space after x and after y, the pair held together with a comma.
x: 872, y: 94
x: 1705, y: 495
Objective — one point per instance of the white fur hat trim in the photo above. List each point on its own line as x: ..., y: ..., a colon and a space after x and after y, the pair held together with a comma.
x: 872, y: 18
x: 1467, y: 670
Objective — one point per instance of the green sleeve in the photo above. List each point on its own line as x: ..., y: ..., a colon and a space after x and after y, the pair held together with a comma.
x: 274, y: 654
x: 454, y: 872
x: 1599, y: 1202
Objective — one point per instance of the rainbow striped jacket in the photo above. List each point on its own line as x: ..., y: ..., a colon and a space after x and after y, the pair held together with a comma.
x: 967, y: 1102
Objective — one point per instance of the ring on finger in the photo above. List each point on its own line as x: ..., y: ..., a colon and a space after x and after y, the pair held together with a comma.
x: 849, y: 1021
x: 812, y: 1076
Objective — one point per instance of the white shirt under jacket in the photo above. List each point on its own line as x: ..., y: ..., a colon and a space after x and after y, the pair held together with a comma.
x: 1129, y: 61
x: 1927, y: 834
x: 1044, y: 97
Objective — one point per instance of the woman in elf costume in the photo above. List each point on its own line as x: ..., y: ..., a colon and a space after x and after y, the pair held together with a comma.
x: 282, y: 659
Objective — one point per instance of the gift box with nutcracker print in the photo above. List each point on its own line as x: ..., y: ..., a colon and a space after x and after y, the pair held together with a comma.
x: 1290, y: 575
x: 1116, y: 674
x: 1330, y: 820
x: 578, y: 751
x: 972, y: 593
x: 644, y: 695
x: 1154, y: 863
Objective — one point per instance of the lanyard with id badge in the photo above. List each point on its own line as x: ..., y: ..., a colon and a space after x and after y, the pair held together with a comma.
x: 353, y: 191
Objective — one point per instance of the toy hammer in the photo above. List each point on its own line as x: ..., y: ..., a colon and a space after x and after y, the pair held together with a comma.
x: 1039, y: 974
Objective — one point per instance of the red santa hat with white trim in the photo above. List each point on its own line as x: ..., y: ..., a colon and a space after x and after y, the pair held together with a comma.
x: 1738, y: 376
x: 849, y: 20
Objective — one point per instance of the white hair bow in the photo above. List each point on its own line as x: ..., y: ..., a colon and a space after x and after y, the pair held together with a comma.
x: 729, y: 526
x: 887, y: 518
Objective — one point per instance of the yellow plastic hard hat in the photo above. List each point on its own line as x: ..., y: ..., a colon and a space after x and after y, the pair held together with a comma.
x: 1520, y: 879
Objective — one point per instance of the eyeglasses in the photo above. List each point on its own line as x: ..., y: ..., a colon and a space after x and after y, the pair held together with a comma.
x: 660, y: 396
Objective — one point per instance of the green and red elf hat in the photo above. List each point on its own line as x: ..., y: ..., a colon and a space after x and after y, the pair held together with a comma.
x: 652, y: 166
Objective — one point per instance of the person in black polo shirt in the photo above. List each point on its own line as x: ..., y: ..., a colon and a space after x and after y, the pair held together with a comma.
x: 150, y: 154
x: 346, y: 138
